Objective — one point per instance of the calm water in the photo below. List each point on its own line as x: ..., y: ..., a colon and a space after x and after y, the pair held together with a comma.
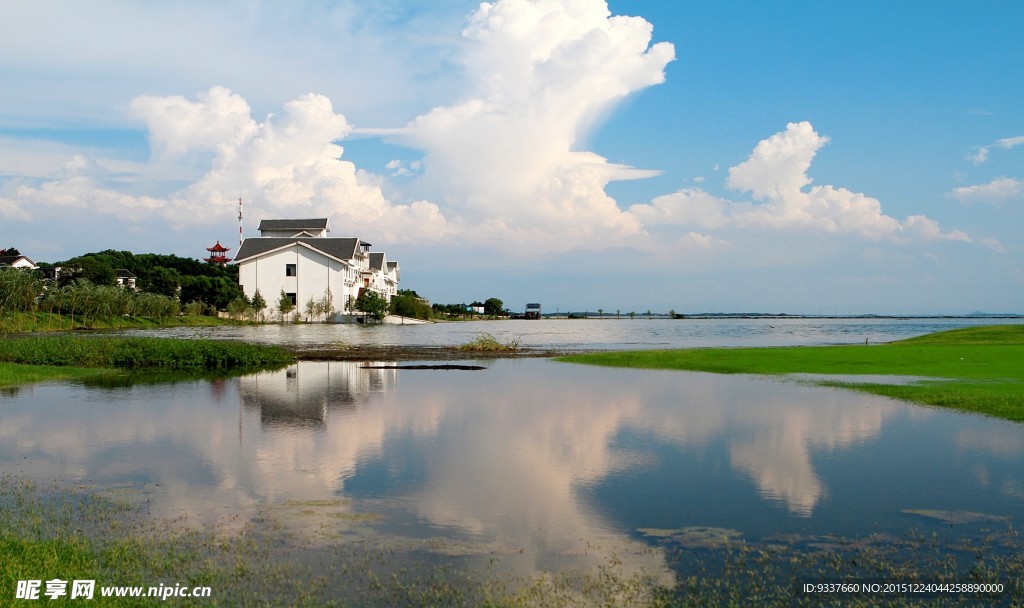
x: 535, y: 459
x: 607, y: 333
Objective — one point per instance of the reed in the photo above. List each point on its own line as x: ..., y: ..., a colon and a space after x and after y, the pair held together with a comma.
x: 138, y: 353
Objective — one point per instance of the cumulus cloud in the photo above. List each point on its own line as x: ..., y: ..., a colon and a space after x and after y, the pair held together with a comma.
x: 506, y: 159
x: 287, y: 165
x: 996, y: 191
x: 776, y: 173
x: 503, y: 166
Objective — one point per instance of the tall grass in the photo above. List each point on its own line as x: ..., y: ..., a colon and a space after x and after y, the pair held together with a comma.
x: 486, y: 342
x: 138, y: 353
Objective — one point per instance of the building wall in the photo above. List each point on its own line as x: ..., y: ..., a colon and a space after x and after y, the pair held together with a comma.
x: 314, y: 273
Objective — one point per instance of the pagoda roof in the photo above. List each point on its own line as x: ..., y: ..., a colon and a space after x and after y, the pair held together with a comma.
x: 218, y: 248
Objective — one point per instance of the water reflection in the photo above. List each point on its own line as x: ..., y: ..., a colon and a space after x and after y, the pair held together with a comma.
x: 532, y: 458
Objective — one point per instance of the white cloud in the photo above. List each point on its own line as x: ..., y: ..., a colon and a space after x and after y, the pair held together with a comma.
x: 1008, y: 143
x: 505, y: 160
x: 776, y: 174
x: 998, y: 190
x: 503, y: 166
x: 980, y: 155
x: 992, y: 244
x: 287, y: 165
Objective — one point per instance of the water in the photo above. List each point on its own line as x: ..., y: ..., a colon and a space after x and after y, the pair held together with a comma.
x: 536, y: 461
x: 594, y: 334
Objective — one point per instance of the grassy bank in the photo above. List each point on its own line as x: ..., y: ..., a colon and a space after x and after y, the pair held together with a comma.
x: 977, y: 369
x: 13, y: 374
x: 165, y: 354
x: 31, y: 322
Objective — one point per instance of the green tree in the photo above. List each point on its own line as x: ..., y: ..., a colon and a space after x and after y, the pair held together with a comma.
x: 408, y: 304
x: 161, y: 280
x: 238, y: 307
x: 325, y: 305
x: 258, y: 304
x: 285, y: 305
x: 372, y: 303
x: 493, y: 306
x: 311, y: 309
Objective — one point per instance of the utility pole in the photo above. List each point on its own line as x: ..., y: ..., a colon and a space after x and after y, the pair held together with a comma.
x: 239, y: 223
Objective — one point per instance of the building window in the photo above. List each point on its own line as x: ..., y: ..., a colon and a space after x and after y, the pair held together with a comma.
x: 289, y: 270
x: 291, y: 296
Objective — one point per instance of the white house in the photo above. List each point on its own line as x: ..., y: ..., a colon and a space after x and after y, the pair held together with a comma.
x: 17, y: 261
x: 298, y: 258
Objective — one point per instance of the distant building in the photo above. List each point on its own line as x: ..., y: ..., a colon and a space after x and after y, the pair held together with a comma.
x: 125, y: 278
x: 218, y: 254
x: 295, y: 256
x: 533, y: 311
x: 17, y: 261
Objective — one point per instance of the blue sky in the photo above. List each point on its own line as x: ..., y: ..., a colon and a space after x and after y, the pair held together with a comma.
x: 802, y: 157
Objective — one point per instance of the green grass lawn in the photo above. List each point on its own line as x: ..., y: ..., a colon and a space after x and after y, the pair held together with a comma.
x: 34, y: 358
x: 13, y: 374
x: 978, y: 369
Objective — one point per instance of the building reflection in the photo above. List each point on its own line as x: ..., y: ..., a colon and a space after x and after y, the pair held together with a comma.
x: 303, y: 394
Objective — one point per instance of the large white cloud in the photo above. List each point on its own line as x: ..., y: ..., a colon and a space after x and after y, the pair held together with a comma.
x: 287, y: 165
x: 504, y: 166
x: 506, y: 160
x: 776, y: 175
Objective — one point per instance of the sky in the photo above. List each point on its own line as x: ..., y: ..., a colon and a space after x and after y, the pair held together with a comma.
x: 798, y: 157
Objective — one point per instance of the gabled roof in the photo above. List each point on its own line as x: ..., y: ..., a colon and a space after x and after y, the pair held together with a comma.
x: 377, y: 260
x: 339, y: 248
x: 316, y: 224
x: 10, y: 260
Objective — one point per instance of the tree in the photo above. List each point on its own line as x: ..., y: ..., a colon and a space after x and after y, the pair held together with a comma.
x: 493, y: 306
x: 372, y: 303
x: 10, y: 251
x: 600, y: 313
x: 258, y: 304
x: 285, y: 305
x: 238, y: 307
x: 408, y: 304
x: 325, y: 306
x: 311, y: 309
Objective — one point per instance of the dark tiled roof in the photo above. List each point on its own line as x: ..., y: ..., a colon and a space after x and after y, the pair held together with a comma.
x: 318, y: 223
x: 11, y: 259
x: 392, y: 265
x: 376, y: 260
x: 340, y: 248
x: 124, y: 273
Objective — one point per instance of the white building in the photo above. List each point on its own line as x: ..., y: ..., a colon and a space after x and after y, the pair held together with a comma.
x: 17, y: 261
x: 298, y: 258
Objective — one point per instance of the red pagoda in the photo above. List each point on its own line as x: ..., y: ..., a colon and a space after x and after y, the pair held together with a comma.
x: 217, y: 254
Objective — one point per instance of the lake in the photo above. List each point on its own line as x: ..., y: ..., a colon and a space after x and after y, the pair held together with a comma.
x: 545, y: 465
x: 594, y: 334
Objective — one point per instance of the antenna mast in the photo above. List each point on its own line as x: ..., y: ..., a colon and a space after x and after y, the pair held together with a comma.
x: 239, y: 223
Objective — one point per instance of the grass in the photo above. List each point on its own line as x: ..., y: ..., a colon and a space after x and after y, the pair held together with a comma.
x: 486, y: 342
x: 13, y: 374
x: 51, y: 531
x: 26, y: 359
x: 977, y: 369
x: 26, y: 322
